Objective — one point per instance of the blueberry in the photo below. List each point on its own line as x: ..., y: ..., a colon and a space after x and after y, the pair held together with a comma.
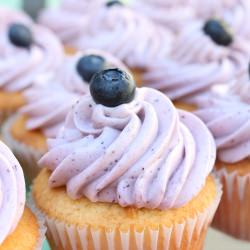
x: 113, y: 2
x: 217, y: 32
x: 112, y: 87
x: 88, y: 65
x: 20, y: 35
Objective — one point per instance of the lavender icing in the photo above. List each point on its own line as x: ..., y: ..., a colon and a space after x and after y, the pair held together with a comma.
x: 60, y: 91
x: 129, y: 36
x: 12, y: 192
x: 19, y: 66
x: 68, y: 19
x: 179, y: 12
x: 197, y: 64
x: 99, y: 153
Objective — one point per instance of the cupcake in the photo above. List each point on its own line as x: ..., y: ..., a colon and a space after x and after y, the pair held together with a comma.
x: 67, y: 20
x: 26, y: 51
x: 19, y: 224
x: 116, y: 28
x: 204, y: 56
x: 171, y: 14
x: 228, y: 120
x: 127, y: 171
x: 48, y: 103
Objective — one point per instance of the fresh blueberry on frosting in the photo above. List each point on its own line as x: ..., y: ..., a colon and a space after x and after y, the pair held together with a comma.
x: 112, y: 87
x: 218, y: 32
x: 20, y: 35
x: 112, y: 3
x: 88, y: 65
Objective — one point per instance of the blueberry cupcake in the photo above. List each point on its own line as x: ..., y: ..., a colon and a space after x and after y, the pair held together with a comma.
x: 67, y: 20
x: 47, y: 104
x: 102, y: 188
x: 171, y: 14
x: 19, y: 224
x: 116, y: 28
x: 234, y: 12
x: 204, y: 57
x: 26, y: 51
x: 228, y: 120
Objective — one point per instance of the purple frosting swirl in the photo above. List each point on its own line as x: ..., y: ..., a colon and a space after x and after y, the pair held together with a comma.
x: 141, y: 154
x: 12, y: 192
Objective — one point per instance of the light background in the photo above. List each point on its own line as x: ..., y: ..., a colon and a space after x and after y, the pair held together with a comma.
x: 215, y: 240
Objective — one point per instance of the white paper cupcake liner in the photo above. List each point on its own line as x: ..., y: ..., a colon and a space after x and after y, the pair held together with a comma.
x: 41, y: 223
x: 27, y: 156
x: 70, y: 237
x: 232, y: 216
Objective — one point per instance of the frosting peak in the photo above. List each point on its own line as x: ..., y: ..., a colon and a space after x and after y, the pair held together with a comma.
x: 12, y: 192
x: 143, y: 154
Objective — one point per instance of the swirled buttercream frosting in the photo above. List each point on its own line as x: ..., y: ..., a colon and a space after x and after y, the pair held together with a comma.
x: 20, y: 66
x: 49, y: 101
x: 172, y: 14
x: 12, y: 192
x: 131, y: 37
x: 141, y: 154
x: 197, y: 63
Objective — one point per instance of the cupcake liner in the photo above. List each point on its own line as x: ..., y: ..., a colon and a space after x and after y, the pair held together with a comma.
x: 27, y: 156
x: 4, y: 114
x: 188, y: 235
x: 232, y: 216
x: 41, y: 223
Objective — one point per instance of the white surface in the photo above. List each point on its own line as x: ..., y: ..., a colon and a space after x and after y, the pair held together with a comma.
x: 219, y: 241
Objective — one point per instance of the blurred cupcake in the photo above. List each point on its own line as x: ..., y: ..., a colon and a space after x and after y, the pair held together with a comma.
x: 19, y: 224
x: 171, y: 14
x: 67, y: 20
x: 228, y: 119
x: 236, y: 13
x: 48, y: 104
x: 116, y: 28
x: 204, y: 56
x: 26, y: 51
x: 127, y: 171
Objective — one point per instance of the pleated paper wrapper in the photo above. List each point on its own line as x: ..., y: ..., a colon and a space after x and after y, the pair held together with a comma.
x: 189, y: 235
x: 27, y: 156
x: 41, y: 223
x: 233, y: 215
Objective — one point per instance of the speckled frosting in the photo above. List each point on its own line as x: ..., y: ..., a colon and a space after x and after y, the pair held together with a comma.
x: 172, y: 14
x: 197, y: 64
x: 12, y: 192
x: 99, y: 153
x: 20, y: 66
x: 124, y: 33
x: 49, y: 101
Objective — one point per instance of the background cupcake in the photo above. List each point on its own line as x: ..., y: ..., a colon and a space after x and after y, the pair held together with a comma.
x: 228, y: 119
x: 26, y: 51
x: 171, y: 14
x: 117, y: 29
x: 205, y: 55
x: 68, y: 19
x: 48, y: 104
x: 19, y: 224
x: 122, y: 193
